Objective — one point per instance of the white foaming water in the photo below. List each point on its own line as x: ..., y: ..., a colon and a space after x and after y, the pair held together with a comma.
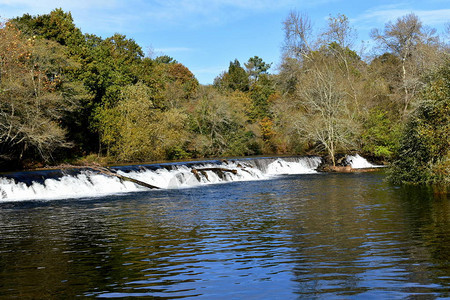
x: 359, y: 162
x: 172, y: 176
x: 86, y: 184
x: 281, y: 166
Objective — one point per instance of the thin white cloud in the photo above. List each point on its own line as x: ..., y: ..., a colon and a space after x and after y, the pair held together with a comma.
x: 196, y: 13
x: 147, y: 15
x: 107, y: 16
x: 434, y: 17
x: 384, y: 14
x: 215, y: 70
x: 267, y: 5
x: 49, y: 4
x: 173, y: 50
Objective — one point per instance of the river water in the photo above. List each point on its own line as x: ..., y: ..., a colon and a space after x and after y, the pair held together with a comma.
x: 319, y: 236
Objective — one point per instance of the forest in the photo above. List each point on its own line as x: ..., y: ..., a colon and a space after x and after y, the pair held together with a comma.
x: 68, y: 96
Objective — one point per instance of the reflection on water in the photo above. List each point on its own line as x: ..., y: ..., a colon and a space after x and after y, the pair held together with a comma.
x: 329, y: 236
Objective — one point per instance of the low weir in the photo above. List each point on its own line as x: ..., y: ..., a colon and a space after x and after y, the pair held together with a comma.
x: 79, y: 183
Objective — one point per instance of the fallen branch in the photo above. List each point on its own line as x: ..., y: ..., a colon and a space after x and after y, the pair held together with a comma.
x: 108, y: 172
x: 218, y: 171
x: 215, y: 170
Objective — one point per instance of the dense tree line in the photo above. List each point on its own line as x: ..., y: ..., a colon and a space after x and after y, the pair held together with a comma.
x: 66, y: 95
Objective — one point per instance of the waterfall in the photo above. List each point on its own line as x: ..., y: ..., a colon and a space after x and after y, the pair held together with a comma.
x: 359, y: 162
x: 62, y: 184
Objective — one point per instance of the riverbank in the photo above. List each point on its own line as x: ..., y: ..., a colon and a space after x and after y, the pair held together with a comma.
x: 348, y: 169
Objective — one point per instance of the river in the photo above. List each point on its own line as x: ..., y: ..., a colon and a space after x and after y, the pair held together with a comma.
x: 310, y: 235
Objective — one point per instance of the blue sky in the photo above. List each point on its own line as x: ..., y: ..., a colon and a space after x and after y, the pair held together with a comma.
x: 205, y: 35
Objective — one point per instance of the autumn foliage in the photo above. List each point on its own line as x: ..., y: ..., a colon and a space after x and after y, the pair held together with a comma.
x: 65, y: 95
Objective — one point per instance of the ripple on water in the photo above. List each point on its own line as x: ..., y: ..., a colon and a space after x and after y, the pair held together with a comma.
x: 313, y: 236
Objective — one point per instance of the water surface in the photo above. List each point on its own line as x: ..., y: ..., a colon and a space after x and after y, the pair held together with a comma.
x: 320, y: 236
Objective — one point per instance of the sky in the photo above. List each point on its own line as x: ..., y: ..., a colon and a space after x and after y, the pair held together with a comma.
x: 205, y: 35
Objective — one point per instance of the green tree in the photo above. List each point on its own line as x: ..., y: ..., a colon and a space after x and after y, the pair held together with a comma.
x: 260, y: 91
x: 165, y: 59
x: 181, y: 85
x: 57, y: 26
x: 236, y: 79
x: 255, y: 67
x: 261, y: 87
x: 133, y: 129
x: 380, y: 134
x: 220, y: 125
x: 424, y: 152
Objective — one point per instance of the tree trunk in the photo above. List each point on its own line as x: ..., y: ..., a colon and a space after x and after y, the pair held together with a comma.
x: 108, y: 172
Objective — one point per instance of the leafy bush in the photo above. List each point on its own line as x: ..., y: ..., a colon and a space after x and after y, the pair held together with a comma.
x: 424, y: 153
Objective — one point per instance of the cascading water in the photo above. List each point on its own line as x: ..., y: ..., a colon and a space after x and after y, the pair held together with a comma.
x: 359, y: 162
x: 58, y: 184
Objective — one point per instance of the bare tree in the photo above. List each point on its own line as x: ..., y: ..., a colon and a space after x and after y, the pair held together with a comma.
x: 321, y: 69
x: 447, y: 30
x: 298, y: 35
x: 407, y: 39
x: 338, y: 38
x: 339, y: 31
x: 33, y: 96
x: 327, y: 117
